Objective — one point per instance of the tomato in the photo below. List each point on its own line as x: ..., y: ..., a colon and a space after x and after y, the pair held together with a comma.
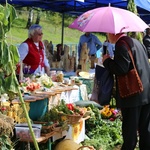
x: 70, y: 106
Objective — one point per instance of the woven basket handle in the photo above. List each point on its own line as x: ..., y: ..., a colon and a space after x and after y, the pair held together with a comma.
x: 90, y: 147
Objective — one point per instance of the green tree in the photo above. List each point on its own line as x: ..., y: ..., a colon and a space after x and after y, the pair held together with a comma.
x: 30, y: 18
x: 38, y: 17
x: 132, y: 7
x: 56, y: 19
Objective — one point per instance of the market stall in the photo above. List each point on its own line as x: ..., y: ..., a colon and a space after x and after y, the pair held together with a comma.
x: 36, y: 97
x: 40, y: 98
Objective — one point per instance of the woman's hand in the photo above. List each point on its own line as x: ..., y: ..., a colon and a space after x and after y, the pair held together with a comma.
x: 106, y: 56
x: 47, y: 71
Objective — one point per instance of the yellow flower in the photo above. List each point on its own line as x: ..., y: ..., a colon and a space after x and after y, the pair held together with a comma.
x: 109, y: 114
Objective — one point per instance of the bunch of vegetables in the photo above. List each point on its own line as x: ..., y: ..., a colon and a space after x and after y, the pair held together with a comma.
x: 29, y: 87
x: 70, y: 109
x: 45, y: 81
x: 102, y: 133
x: 109, y: 113
x: 35, y: 82
x: 32, y: 86
x: 53, y: 115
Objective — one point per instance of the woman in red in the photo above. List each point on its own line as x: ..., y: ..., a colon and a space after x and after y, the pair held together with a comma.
x: 32, y: 52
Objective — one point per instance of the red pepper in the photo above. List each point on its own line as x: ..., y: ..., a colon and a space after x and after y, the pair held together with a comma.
x: 70, y: 106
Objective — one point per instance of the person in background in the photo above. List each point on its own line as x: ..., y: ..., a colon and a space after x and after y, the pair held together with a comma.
x: 146, y: 41
x: 93, y: 44
x: 108, y: 48
x: 135, y: 109
x: 32, y: 52
x: 59, y: 51
x: 51, y: 47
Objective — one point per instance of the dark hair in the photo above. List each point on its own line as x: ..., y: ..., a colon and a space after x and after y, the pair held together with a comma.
x: 147, y: 30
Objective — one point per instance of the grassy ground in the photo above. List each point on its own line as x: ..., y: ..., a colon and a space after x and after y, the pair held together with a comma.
x: 19, y: 33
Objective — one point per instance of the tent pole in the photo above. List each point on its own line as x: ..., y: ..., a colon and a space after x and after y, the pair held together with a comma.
x: 62, y: 33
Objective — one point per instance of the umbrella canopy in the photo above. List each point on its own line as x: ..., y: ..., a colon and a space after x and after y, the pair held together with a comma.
x: 109, y: 20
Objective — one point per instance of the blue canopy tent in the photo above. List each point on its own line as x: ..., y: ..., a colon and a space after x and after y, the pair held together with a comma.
x: 145, y: 4
x: 77, y: 7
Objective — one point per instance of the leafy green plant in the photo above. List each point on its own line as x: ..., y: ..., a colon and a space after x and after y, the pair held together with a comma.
x: 8, y: 54
x: 102, y: 133
x: 9, y: 59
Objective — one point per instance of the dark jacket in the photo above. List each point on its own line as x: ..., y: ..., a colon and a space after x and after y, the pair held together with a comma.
x: 122, y: 64
x: 146, y: 42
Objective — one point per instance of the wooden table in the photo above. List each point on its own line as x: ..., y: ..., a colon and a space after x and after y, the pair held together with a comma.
x: 53, y: 97
x: 39, y: 102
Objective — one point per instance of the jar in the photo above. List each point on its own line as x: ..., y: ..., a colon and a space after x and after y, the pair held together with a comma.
x: 60, y: 76
x: 53, y: 75
x: 66, y: 81
x: 72, y: 81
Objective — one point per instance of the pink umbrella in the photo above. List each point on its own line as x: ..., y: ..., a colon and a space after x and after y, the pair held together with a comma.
x: 109, y: 20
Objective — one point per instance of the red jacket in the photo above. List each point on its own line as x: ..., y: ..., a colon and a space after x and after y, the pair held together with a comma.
x: 35, y: 57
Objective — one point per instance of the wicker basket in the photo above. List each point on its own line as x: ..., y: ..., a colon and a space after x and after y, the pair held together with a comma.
x: 57, y: 129
x: 46, y: 128
x: 71, y: 119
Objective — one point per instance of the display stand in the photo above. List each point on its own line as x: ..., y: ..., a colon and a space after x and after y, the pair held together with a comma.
x: 40, y: 103
x: 42, y: 139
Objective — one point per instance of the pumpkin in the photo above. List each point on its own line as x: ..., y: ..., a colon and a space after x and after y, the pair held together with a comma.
x: 67, y: 145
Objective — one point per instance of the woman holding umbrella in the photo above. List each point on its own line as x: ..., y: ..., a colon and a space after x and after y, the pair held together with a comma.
x: 135, y: 109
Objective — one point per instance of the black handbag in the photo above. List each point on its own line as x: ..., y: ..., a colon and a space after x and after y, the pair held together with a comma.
x: 105, y: 83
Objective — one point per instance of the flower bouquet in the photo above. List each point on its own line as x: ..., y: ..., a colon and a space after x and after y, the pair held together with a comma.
x: 109, y: 113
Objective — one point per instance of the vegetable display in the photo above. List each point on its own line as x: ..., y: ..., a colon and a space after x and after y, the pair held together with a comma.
x: 102, y: 133
x: 57, y: 113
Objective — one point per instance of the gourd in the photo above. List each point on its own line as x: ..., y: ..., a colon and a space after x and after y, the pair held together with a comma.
x: 67, y: 145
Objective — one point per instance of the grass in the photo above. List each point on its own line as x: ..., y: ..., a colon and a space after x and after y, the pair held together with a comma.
x: 19, y: 33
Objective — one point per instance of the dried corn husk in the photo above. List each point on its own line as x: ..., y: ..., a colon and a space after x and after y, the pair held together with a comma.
x: 6, y: 125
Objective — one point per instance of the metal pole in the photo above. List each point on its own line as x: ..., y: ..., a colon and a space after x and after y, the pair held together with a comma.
x: 62, y: 33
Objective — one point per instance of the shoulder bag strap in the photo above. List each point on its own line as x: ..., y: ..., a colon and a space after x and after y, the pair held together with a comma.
x: 129, y: 50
